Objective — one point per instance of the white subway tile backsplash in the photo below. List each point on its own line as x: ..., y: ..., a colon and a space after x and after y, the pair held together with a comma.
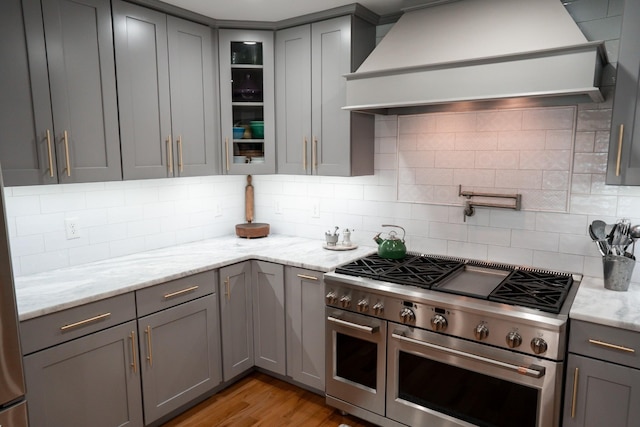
x: 474, y: 141
x: 536, y: 240
x: 467, y: 250
x: 510, y: 255
x: 558, y: 261
x: 499, y: 120
x: 593, y: 204
x: 548, y: 118
x: 489, y: 235
x: 522, y: 140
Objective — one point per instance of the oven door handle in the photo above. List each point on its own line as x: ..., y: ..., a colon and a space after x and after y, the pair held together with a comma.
x: 534, y: 371
x: 367, y: 329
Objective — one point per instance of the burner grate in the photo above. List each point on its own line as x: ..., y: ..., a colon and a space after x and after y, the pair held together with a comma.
x: 543, y: 290
x: 414, y: 269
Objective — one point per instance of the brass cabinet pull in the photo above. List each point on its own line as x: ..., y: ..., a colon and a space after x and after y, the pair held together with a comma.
x: 183, y: 291
x: 226, y: 150
x: 304, y: 154
x: 304, y: 276
x: 84, y: 322
x: 612, y: 346
x: 134, y: 364
x: 620, y: 135
x: 66, y: 151
x: 170, y: 154
x: 180, y: 168
x: 575, y: 393
x: 314, y: 153
x: 50, y: 153
x: 147, y: 331
x: 227, y: 291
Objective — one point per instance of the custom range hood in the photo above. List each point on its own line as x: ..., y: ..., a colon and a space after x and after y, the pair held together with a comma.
x: 457, y: 55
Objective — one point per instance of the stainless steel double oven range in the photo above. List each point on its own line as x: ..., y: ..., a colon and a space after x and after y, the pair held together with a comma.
x: 438, y: 341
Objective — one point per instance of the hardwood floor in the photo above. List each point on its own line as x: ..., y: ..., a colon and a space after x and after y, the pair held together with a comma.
x: 261, y: 400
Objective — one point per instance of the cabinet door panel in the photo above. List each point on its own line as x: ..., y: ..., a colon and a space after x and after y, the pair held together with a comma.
x: 236, y: 315
x: 330, y: 61
x: 83, y: 89
x: 269, y: 316
x: 293, y: 100
x: 25, y: 105
x: 625, y: 104
x: 607, y: 394
x: 192, y: 97
x: 91, y: 381
x: 140, y: 37
x: 180, y: 351
x: 305, y: 327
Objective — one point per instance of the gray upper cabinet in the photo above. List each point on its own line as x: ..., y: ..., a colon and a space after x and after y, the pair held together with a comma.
x: 623, y: 166
x: 314, y: 134
x: 59, y: 111
x: 165, y: 94
x: 603, y: 377
x: 247, y: 101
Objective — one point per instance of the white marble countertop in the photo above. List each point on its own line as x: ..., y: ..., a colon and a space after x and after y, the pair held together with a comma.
x: 56, y: 290
x: 594, y: 303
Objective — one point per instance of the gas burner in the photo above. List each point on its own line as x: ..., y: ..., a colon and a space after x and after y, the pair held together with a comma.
x: 416, y: 270
x: 372, y: 266
x: 542, y: 290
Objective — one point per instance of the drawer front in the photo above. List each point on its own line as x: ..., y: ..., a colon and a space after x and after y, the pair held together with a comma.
x: 605, y: 342
x: 55, y: 328
x: 169, y: 294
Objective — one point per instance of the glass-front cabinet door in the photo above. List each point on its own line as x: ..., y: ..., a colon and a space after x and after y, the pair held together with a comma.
x: 247, y: 100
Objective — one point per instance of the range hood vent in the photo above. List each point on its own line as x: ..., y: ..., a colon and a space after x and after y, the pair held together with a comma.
x: 460, y: 54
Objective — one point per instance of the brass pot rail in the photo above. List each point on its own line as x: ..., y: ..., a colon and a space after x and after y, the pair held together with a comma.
x: 469, y: 207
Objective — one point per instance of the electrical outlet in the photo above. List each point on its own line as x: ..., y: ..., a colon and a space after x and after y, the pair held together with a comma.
x: 315, y: 208
x: 218, y: 210
x: 277, y: 207
x: 71, y: 228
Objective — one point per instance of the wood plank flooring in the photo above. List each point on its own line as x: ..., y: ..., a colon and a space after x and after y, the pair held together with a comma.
x: 261, y: 400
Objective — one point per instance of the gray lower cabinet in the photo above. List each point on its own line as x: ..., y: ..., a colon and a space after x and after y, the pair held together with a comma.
x: 269, y: 316
x: 623, y: 167
x: 90, y: 381
x: 166, y: 94
x: 180, y: 355
x: 602, y: 377
x: 305, y: 326
x: 236, y: 316
x: 58, y: 112
x: 314, y: 134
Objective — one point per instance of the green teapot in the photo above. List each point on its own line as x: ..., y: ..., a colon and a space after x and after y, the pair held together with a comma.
x: 393, y: 247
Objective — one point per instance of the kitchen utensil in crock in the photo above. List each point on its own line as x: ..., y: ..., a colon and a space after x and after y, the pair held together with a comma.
x: 393, y: 247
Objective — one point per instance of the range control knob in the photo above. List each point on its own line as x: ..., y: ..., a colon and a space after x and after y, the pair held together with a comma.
x: 538, y: 345
x: 363, y: 306
x: 407, y: 316
x: 439, y: 323
x: 481, y: 332
x: 378, y: 309
x: 331, y: 298
x: 514, y: 339
x: 345, y: 301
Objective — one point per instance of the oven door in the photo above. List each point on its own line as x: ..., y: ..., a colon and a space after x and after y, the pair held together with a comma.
x: 438, y: 380
x: 356, y: 359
